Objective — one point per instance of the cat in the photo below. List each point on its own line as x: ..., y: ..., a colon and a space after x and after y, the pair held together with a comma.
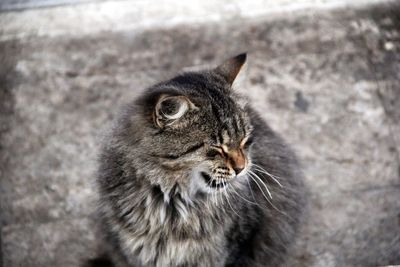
x: 190, y: 175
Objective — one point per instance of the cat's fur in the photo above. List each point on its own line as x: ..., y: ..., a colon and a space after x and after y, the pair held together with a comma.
x: 156, y: 207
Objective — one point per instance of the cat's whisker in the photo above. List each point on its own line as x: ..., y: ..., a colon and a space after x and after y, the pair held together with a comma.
x: 251, y: 190
x: 270, y: 175
x: 262, y: 191
x: 262, y: 170
x: 249, y: 201
x: 217, y: 194
x: 229, y: 203
x: 220, y: 195
x: 225, y: 186
x: 267, y: 197
x: 210, y: 192
x: 226, y: 192
x: 284, y: 213
x: 215, y: 197
x: 262, y: 182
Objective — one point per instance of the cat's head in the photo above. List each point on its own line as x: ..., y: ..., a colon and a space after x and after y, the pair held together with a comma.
x: 197, y: 132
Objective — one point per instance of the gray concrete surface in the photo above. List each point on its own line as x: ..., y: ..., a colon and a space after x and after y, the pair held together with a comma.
x: 327, y: 80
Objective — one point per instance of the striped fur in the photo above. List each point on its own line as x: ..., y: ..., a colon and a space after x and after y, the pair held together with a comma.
x: 179, y: 189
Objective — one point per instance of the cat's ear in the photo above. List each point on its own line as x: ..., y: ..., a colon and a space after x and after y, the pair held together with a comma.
x: 231, y: 67
x: 170, y: 109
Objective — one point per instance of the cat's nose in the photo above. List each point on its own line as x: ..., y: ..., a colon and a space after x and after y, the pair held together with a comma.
x: 238, y: 169
x: 238, y: 161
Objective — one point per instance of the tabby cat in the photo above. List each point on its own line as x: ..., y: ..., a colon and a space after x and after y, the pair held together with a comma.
x: 192, y: 176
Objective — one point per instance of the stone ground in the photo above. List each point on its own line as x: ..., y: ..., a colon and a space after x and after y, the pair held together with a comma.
x: 326, y: 79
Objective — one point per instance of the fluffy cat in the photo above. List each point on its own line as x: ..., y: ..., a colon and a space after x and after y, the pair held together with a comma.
x: 191, y: 176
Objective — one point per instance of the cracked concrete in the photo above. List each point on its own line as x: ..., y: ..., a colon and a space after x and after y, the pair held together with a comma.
x: 326, y: 80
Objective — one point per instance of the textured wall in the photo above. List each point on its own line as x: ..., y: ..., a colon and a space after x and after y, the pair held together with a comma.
x: 327, y: 80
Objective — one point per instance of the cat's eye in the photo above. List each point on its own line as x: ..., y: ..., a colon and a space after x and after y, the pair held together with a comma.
x: 212, y: 153
x: 215, y: 151
x: 247, y: 142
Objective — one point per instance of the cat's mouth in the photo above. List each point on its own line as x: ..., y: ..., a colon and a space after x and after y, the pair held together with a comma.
x: 212, y: 182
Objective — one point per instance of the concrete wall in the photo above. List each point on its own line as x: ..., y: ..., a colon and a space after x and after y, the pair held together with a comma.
x: 324, y: 74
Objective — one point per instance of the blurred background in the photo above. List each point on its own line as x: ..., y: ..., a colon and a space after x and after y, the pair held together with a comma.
x: 325, y: 74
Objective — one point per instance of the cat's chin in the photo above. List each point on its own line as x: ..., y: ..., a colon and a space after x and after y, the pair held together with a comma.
x: 213, y: 183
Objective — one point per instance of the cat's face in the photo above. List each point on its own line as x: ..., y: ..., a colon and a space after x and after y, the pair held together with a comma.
x: 201, y: 136
x: 227, y: 153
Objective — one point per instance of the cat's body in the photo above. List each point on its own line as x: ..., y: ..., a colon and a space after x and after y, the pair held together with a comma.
x: 182, y: 185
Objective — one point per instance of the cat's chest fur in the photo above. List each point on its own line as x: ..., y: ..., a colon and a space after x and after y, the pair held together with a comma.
x: 175, y: 234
